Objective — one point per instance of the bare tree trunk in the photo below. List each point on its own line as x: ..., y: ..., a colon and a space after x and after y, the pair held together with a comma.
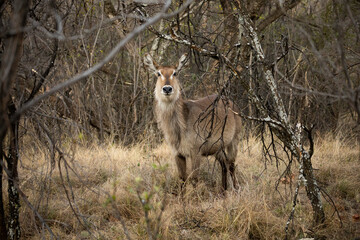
x: 3, y: 230
x: 3, y: 116
x: 283, y: 128
x: 11, y: 58
x: 313, y: 191
x: 13, y: 179
x: 8, y: 71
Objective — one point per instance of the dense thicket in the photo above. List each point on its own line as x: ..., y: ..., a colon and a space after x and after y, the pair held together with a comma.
x: 311, y: 47
x: 312, y: 51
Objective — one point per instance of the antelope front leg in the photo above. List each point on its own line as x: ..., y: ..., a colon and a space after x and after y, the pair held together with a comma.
x: 195, y: 167
x: 223, y: 174
x: 181, y: 165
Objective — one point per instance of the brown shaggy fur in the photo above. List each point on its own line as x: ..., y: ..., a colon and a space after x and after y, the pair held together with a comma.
x: 195, y: 128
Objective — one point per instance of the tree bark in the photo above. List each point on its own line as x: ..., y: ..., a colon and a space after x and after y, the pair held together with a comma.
x: 277, y: 13
x: 13, y: 179
x: 313, y: 191
x: 8, y: 70
x: 284, y: 130
x: 3, y: 230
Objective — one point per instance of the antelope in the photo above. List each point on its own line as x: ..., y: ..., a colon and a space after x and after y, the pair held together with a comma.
x: 195, y: 128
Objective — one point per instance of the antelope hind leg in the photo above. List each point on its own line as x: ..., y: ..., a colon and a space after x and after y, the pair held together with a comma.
x: 232, y: 150
x: 221, y: 158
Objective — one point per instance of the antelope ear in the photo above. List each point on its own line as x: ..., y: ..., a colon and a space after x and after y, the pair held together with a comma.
x: 150, y: 63
x: 182, y: 61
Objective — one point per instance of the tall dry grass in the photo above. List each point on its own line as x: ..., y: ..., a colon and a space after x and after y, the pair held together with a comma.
x: 107, y: 180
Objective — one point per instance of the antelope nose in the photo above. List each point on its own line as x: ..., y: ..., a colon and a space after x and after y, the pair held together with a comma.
x: 167, y: 89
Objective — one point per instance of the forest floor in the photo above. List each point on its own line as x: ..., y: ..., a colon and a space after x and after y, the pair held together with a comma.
x: 110, y: 184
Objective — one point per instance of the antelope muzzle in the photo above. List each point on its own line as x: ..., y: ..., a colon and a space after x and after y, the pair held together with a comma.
x: 167, y: 90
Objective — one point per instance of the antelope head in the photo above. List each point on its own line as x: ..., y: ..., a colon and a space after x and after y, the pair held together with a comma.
x: 167, y: 88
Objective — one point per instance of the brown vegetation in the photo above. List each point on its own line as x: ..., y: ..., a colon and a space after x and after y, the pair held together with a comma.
x: 257, y: 211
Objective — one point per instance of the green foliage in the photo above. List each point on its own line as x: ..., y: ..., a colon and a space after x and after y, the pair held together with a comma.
x: 152, y: 201
x: 109, y: 200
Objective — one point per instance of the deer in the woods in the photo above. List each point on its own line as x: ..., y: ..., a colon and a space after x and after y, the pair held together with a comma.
x: 195, y: 128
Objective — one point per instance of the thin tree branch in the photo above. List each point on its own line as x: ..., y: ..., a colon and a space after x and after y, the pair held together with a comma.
x: 277, y: 13
x: 99, y: 65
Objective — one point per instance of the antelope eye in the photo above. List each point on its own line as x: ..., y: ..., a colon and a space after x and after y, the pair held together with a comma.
x: 174, y: 74
x: 158, y: 74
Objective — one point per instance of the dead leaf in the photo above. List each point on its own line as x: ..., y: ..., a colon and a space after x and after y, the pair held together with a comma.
x: 287, y: 179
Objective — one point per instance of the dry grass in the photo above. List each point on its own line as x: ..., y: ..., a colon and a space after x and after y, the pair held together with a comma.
x: 108, y: 178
